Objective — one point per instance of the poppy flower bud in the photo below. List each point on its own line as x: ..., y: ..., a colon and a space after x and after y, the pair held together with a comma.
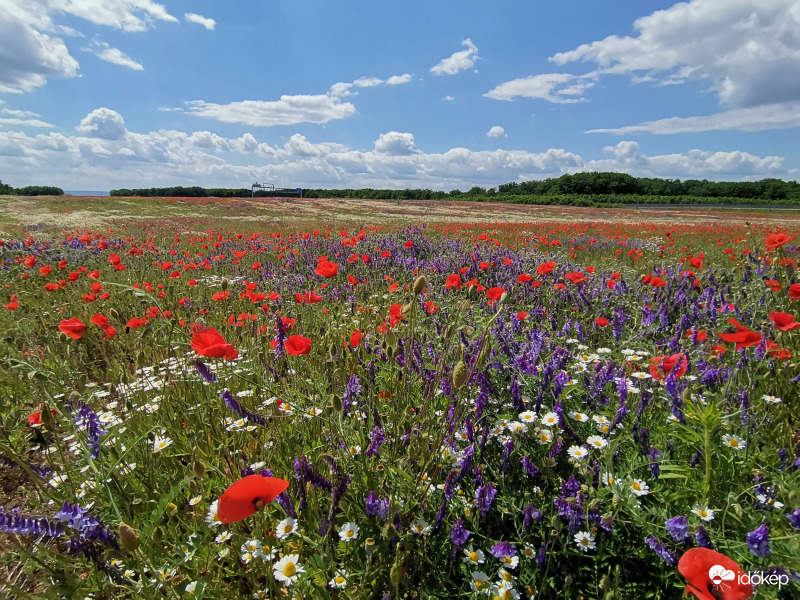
x: 396, y: 572
x: 502, y: 299
x: 224, y: 284
x: 687, y: 394
x: 62, y: 337
x: 407, y: 308
x: 199, y: 468
x: 460, y: 373
x: 337, y: 403
x: 420, y: 284
x: 158, y: 534
x: 472, y: 292
x: 128, y: 538
x: 389, y: 531
x: 47, y: 417
x: 113, y: 312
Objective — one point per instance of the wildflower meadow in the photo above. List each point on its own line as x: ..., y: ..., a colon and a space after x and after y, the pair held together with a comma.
x: 499, y: 410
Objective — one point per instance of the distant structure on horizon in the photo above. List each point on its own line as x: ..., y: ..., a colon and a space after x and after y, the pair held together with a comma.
x: 270, y: 187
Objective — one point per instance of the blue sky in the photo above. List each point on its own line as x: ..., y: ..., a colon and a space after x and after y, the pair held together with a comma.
x: 99, y: 94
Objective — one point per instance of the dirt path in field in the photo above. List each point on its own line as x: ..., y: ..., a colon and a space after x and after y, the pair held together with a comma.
x: 52, y: 214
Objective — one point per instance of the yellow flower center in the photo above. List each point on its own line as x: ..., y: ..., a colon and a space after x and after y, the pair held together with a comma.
x: 473, y: 556
x: 507, y: 576
x: 506, y: 559
x: 635, y: 485
x: 702, y: 513
x: 289, y: 569
x: 479, y: 583
x: 339, y: 580
x: 287, y: 529
x: 585, y: 541
x: 734, y: 442
x: 350, y: 533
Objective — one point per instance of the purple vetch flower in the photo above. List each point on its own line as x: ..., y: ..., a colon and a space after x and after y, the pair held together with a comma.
x: 376, y: 440
x: 207, y: 374
x: 484, y: 498
x: 459, y: 534
x: 702, y: 537
x: 663, y: 552
x: 377, y: 507
x: 655, y: 456
x: 352, y: 390
x: 508, y: 448
x: 437, y: 522
x: 87, y: 420
x: 530, y: 515
x: 794, y: 518
x: 234, y: 405
x: 530, y: 469
x: 541, y: 557
x: 677, y: 528
x: 503, y: 549
x: 758, y: 541
x: 286, y: 504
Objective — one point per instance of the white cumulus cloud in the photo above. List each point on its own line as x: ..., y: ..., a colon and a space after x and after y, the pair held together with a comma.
x: 103, y: 123
x: 496, y: 132
x: 395, y: 144
x: 458, y: 61
x: 559, y: 88
x: 289, y: 110
x: 114, y: 56
x: 399, y: 79
x: 200, y: 20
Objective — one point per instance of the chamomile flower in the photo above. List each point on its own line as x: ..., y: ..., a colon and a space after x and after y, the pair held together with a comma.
x: 772, y: 399
x: 578, y: 452
x: 354, y: 450
x: 195, y: 500
x: 339, y: 581
x: 544, y: 436
x: 528, y: 551
x: 505, y: 576
x: 251, y: 549
x: 504, y: 591
x: 191, y: 588
x: 223, y: 537
x: 480, y: 582
x: 285, y: 528
x: 212, y: 518
x: 734, y: 441
x: 639, y: 487
x: 579, y: 416
x: 550, y: 419
x: 517, y: 427
x: 595, y: 441
x: 585, y: 541
x: 420, y: 527
x: 528, y: 417
x: 288, y: 569
x: 609, y: 479
x: 348, y: 532
x: 159, y: 443
x: 703, y: 512
x: 473, y: 557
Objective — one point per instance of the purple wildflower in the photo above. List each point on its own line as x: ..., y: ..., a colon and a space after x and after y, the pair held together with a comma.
x: 663, y: 552
x: 794, y: 518
x: 459, y: 534
x: 502, y: 549
x: 758, y: 541
x: 484, y: 497
x: 677, y: 528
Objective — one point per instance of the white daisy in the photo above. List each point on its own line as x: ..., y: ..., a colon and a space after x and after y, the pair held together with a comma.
x: 285, y: 528
x: 195, y: 500
x: 420, y: 527
x: 703, y: 512
x: 578, y: 452
x: 223, y: 537
x: 288, y: 570
x: 159, y: 443
x: 579, y: 416
x: 354, y: 450
x: 595, y: 441
x: 528, y: 417
x: 348, y: 532
x: 585, y: 541
x: 212, y: 518
x: 550, y: 419
x: 473, y: 557
x: 339, y: 581
x: 639, y: 487
x: 480, y: 582
x: 734, y: 441
x: 544, y: 436
x: 772, y: 399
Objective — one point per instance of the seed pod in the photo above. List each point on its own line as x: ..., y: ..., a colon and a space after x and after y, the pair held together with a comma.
x: 224, y: 284
x: 686, y: 396
x: 472, y: 292
x: 407, y: 308
x: 389, y: 531
x: 337, y: 403
x: 460, y: 372
x: 113, y: 312
x: 503, y: 299
x: 62, y: 337
x: 128, y: 538
x: 420, y: 284
x: 199, y: 468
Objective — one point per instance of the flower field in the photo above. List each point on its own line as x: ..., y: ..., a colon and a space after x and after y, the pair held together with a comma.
x: 508, y: 410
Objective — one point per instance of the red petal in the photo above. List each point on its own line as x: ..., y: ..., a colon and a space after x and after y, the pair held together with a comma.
x: 239, y: 501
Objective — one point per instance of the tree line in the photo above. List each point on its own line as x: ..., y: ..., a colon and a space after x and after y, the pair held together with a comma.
x: 194, y: 192
x: 30, y: 190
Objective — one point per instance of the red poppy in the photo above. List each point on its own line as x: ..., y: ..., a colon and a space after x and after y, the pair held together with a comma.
x: 395, y: 314
x: 408, y: 244
x: 99, y: 320
x: 311, y: 298
x: 602, y: 322
x: 774, y: 350
x: 774, y: 285
x: 776, y: 240
x: 713, y: 576
x: 431, y: 307
x: 327, y: 268
x: 702, y: 334
x: 524, y: 278
x: 522, y: 315
x: 73, y: 327
x: 743, y: 336
x: 794, y: 291
x: 297, y: 345
x: 784, y: 321
x: 248, y: 495
x: 453, y: 281
x: 35, y: 418
x: 546, y: 268
x: 495, y: 293
x: 660, y: 366
x: 209, y: 342
x: 12, y: 305
x: 355, y: 338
